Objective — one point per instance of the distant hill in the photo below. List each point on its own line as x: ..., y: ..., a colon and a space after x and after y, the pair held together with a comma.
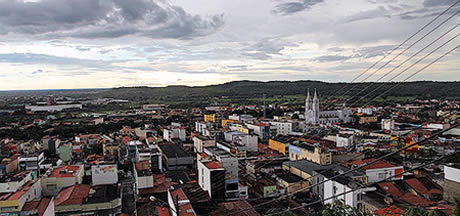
x: 420, y: 89
x: 255, y: 89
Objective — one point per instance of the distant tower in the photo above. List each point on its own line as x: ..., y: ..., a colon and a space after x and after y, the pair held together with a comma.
x: 265, y: 112
x: 311, y: 108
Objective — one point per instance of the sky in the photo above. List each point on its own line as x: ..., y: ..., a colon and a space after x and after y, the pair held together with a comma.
x: 64, y: 44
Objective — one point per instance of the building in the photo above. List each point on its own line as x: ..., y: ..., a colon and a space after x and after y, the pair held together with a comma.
x: 367, y: 119
x: 201, y: 142
x: 175, y: 158
x: 341, y: 188
x: 174, y: 132
x: 314, y: 116
x: 210, y: 118
x: 65, y: 176
x: 40, y: 207
x: 211, y: 178
x: 53, y: 108
x: 82, y: 199
x: 179, y: 203
x: 282, y: 128
x: 309, y: 150
x: 279, y: 144
x: 451, y: 182
x: 13, y: 202
x: 263, y: 130
x: 388, y: 124
x: 344, y: 140
x: 104, y: 174
x: 379, y: 170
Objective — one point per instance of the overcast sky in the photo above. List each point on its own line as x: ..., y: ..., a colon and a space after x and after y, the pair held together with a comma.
x: 57, y: 44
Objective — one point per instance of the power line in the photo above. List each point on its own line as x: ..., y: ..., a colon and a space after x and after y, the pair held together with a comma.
x: 399, y: 65
x: 363, y: 186
x: 413, y: 35
x: 358, y: 167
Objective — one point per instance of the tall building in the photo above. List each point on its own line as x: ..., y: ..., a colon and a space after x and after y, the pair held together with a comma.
x: 314, y: 116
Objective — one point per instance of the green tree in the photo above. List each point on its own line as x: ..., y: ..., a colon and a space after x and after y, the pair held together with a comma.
x: 437, y: 212
x: 338, y: 207
x: 416, y: 211
x: 280, y: 212
x: 457, y: 205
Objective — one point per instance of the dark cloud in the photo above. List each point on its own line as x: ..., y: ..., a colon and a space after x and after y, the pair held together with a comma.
x: 330, y: 58
x: 103, y: 19
x: 287, y: 8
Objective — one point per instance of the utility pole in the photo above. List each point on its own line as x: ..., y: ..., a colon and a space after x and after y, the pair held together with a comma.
x: 265, y: 113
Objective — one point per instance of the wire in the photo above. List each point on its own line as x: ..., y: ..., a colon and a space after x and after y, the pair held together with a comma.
x: 358, y: 167
x: 363, y: 186
x: 396, y: 67
x: 413, y: 35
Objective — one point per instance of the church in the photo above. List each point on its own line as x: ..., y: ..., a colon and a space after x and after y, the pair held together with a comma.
x: 314, y: 116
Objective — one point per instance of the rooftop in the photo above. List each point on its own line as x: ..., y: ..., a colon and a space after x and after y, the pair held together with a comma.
x: 64, y: 171
x: 173, y: 150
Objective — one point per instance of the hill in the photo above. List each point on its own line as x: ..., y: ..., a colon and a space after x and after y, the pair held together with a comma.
x: 245, y: 89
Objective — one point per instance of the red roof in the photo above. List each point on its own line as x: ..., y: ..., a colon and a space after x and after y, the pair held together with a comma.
x: 390, y: 188
x: 376, y: 165
x: 416, y: 200
x: 163, y: 211
x: 185, y: 208
x: 420, y: 188
x: 69, y: 171
x: 390, y: 211
x: 213, y: 165
x: 72, y: 195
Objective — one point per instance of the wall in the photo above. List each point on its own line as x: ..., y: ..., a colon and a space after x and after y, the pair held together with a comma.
x: 104, y: 174
x: 277, y: 146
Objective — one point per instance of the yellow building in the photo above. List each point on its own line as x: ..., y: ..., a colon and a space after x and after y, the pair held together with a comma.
x: 226, y: 121
x: 309, y: 152
x: 210, y: 118
x: 242, y: 129
x: 278, y: 146
x: 367, y: 119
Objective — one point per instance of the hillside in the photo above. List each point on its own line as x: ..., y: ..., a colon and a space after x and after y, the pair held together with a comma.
x: 245, y: 89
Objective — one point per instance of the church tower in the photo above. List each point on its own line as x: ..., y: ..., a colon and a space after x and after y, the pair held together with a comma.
x: 315, y: 108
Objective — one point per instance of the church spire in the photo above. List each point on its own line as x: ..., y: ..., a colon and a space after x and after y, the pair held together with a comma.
x: 315, y: 97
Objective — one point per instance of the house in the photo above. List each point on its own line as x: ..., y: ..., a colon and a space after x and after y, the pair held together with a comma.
x: 240, y: 207
x: 56, y: 179
x: 40, y: 207
x: 451, y: 181
x: 11, y: 203
x: 379, y: 170
x: 82, y: 199
x: 201, y: 142
x: 309, y: 150
x: 179, y: 203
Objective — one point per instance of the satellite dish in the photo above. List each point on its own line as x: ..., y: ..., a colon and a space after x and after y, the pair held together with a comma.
x: 152, y: 198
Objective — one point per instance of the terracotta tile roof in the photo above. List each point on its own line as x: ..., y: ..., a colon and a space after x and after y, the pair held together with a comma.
x: 213, y: 165
x: 242, y: 206
x: 416, y: 200
x: 390, y: 211
x: 185, y: 208
x: 377, y: 165
x: 71, y: 170
x: 421, y: 188
x: 72, y: 195
x: 163, y: 211
x: 29, y: 206
x: 44, y: 203
x: 390, y: 188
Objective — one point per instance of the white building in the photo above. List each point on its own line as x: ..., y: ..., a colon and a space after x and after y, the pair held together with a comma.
x: 388, y: 124
x: 344, y: 140
x: 174, y: 132
x: 380, y: 170
x: 282, y: 128
x: 104, y: 174
x: 314, y: 116
x: 53, y: 108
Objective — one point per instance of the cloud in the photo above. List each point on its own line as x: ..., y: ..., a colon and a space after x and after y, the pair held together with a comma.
x: 330, y: 58
x: 266, y: 48
x: 292, y: 7
x: 373, y: 51
x: 103, y: 19
x: 37, y: 71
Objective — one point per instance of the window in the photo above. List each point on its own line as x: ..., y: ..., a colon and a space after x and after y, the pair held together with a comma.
x: 381, y: 175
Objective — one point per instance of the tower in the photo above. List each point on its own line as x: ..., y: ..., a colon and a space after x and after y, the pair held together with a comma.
x: 315, y: 108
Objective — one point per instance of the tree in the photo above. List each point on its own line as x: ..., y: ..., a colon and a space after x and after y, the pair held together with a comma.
x: 437, y: 212
x: 338, y: 207
x: 416, y: 211
x: 457, y: 205
x: 280, y: 212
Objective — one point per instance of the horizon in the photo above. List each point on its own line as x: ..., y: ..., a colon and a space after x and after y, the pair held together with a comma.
x: 189, y: 86
x: 45, y: 44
